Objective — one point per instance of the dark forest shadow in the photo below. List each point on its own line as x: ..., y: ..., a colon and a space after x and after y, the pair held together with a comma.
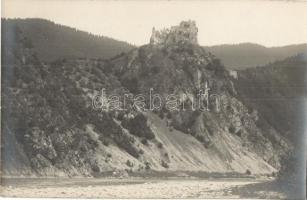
x: 270, y: 190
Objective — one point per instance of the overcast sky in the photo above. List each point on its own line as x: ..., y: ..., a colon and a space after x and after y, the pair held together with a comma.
x: 270, y: 23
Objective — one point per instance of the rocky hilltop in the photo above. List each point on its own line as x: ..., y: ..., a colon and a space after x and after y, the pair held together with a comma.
x: 51, y: 128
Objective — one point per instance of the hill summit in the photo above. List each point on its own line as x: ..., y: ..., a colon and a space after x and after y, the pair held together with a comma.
x: 185, y: 32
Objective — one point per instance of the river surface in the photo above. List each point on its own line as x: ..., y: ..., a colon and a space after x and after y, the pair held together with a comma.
x: 134, y: 188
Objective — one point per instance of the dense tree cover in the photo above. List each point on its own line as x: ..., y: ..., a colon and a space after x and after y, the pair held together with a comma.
x: 52, y: 41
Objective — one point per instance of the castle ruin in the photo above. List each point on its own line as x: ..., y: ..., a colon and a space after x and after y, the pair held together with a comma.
x: 186, y: 32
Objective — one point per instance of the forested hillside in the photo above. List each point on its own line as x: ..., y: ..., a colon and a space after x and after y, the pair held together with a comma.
x: 52, y: 41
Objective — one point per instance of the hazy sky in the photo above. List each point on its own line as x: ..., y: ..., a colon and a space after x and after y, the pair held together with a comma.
x: 270, y: 23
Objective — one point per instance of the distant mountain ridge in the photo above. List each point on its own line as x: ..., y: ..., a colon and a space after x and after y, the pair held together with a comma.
x: 51, y: 41
x: 246, y: 55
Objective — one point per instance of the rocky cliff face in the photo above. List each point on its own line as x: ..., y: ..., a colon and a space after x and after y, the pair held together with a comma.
x: 50, y: 127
